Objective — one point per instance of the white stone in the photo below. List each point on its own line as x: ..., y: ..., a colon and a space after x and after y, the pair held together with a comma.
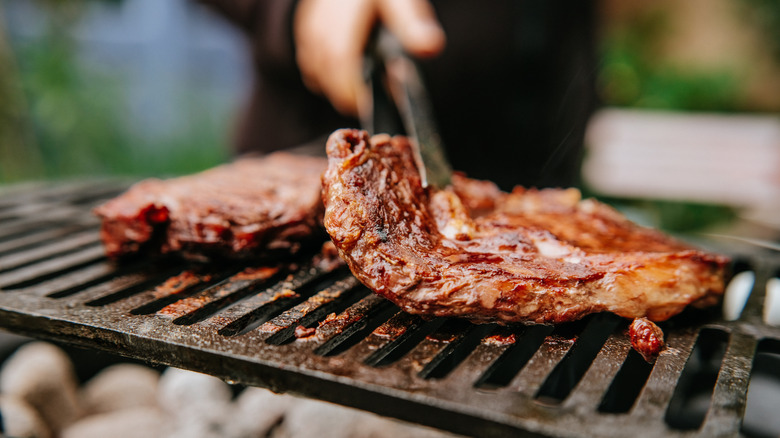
x: 20, y: 420
x: 129, y: 423
x: 182, y: 392
x: 256, y: 411
x: 315, y: 419
x: 121, y: 386
x: 42, y: 375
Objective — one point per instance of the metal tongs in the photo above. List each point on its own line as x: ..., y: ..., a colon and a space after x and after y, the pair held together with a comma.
x: 400, y: 105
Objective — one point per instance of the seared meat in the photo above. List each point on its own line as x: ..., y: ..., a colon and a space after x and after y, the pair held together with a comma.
x: 646, y: 338
x: 470, y: 250
x: 236, y: 210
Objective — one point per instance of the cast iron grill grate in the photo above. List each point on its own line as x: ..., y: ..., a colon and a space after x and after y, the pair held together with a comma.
x: 313, y: 330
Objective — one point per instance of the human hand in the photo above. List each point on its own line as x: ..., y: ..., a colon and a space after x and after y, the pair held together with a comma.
x: 331, y: 37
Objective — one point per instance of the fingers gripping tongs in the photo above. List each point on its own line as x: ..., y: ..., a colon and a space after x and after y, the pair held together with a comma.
x: 400, y: 105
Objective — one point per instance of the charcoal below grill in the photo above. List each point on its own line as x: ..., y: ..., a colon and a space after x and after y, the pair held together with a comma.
x: 317, y: 332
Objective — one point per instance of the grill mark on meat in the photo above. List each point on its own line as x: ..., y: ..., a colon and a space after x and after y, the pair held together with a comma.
x: 470, y: 250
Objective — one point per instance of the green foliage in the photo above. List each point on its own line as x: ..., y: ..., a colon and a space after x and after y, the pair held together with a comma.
x: 79, y: 120
x: 687, y: 216
x: 671, y: 216
x: 632, y: 75
x: 75, y: 116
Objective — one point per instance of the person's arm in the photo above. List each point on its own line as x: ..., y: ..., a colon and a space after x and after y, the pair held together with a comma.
x: 328, y: 37
x: 331, y: 37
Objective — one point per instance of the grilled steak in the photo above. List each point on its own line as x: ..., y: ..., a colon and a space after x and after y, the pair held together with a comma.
x: 470, y: 250
x: 236, y: 210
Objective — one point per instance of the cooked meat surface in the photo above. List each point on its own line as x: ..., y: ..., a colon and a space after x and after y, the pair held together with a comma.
x: 236, y: 210
x: 646, y: 338
x: 470, y: 250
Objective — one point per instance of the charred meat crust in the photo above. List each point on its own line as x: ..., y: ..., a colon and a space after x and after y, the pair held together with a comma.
x: 646, y: 338
x: 237, y: 210
x: 470, y: 250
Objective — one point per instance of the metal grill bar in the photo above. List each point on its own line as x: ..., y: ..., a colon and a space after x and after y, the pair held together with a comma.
x: 20, y: 228
x: 73, y: 281
x: 282, y: 328
x: 591, y: 390
x: 421, y: 360
x: 458, y: 348
x: 654, y: 398
x: 54, y: 249
x: 51, y: 268
x: 189, y: 310
x: 549, y: 355
x: 258, y: 309
x: 38, y: 238
x: 337, y: 331
x: 476, y: 364
x: 730, y: 395
x: 316, y: 331
x: 389, y: 339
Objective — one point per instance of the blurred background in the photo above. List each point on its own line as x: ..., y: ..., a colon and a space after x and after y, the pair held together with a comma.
x: 690, y: 91
x: 135, y: 87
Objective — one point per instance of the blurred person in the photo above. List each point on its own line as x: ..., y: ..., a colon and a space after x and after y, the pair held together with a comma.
x: 511, y: 82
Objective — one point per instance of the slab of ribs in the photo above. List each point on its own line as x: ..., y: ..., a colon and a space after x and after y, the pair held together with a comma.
x: 468, y: 250
x: 239, y: 210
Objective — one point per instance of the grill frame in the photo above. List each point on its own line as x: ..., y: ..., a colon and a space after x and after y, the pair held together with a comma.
x: 268, y: 356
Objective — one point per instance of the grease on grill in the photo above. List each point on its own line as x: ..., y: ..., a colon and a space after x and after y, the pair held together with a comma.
x: 226, y: 291
x: 345, y: 330
x: 396, y: 326
x: 258, y: 273
x: 179, y: 283
x: 500, y: 339
x: 283, y: 327
x: 464, y: 338
x: 302, y: 332
x: 515, y: 357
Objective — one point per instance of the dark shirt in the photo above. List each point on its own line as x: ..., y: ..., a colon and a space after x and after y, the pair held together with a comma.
x: 511, y: 92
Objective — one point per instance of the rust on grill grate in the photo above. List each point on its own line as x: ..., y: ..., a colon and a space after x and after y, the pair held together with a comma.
x: 314, y: 330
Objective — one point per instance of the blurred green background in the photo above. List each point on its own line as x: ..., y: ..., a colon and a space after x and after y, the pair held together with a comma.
x: 63, y: 114
x: 691, y: 55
